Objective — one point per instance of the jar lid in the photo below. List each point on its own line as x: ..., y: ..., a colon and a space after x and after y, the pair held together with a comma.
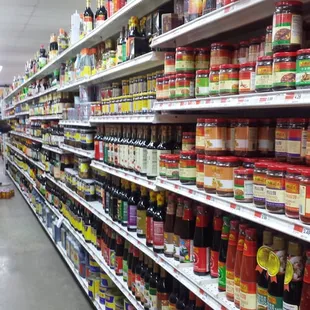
x: 229, y: 66
x: 235, y: 46
x: 166, y: 78
x: 303, y: 51
x: 173, y: 157
x: 186, y: 49
x: 306, y: 172
x: 277, y: 167
x: 200, y: 156
x: 189, y: 133
x: 262, y: 164
x: 244, y: 43
x: 161, y: 79
x: 297, y: 120
x: 296, y: 170
x: 210, y: 158
x: 246, y: 120
x: 244, y: 171
x: 284, y: 54
x: 227, y: 159
x: 203, y: 49
x: 215, y: 120
x: 266, y: 121
x: 188, y: 153
x: 202, y: 72
x: 284, y: 3
x: 263, y: 58
x: 214, y: 68
x: 170, y: 54
x: 220, y: 44
x: 200, y: 120
x: 262, y: 38
x: 249, y: 160
x: 171, y: 76
x: 248, y: 64
x: 255, y: 40
x: 185, y: 75
x: 163, y: 156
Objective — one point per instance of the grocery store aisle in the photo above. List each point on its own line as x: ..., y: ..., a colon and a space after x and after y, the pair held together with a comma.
x: 32, y: 274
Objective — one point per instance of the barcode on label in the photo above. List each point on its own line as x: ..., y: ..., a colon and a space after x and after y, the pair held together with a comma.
x: 306, y: 231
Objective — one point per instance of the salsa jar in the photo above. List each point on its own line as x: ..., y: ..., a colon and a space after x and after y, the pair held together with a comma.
x: 200, y: 136
x: 264, y: 76
x: 243, y: 52
x: 292, y: 180
x: 303, y: 69
x: 284, y: 71
x: 229, y: 79
x: 268, y: 41
x: 202, y: 83
x: 296, y: 140
x: 259, y: 184
x: 172, y: 166
x: 225, y: 167
x: 184, y: 86
x: 287, y: 26
x: 281, y: 135
x: 221, y: 54
x: 214, y: 81
x: 187, y: 167
x: 202, y: 58
x: 246, y: 137
x: 169, y: 64
x: 188, y: 141
x: 210, y: 174
x: 243, y: 185
x: 275, y: 188
x: 254, y: 49
x: 304, y: 196
x: 266, y: 136
x: 172, y: 87
x: 247, y: 78
x: 215, y: 136
x: 200, y: 171
x: 184, y: 62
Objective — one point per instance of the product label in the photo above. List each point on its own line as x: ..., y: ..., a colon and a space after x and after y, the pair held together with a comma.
x: 246, y: 139
x: 275, y: 193
x: 229, y: 82
x: 302, y: 72
x: 169, y: 247
x: 124, y: 212
x: 292, y: 195
x: 243, y: 189
x: 297, y: 143
x: 215, y: 138
x: 230, y: 283
x: 246, y: 82
x: 281, y: 142
x: 185, y: 63
x: 214, y: 84
x: 222, y: 275
x: 158, y: 235
x: 202, y: 86
x: 149, y: 229
x: 88, y: 24
x: 195, y: 7
x: 266, y: 138
x: 294, y: 270
x: 237, y: 290
x: 186, y: 250
x: 138, y: 286
x: 202, y: 260
x: 248, y: 295
x: 141, y: 222
x: 119, y: 265
x: 152, y: 163
x: 112, y: 259
x: 176, y: 246
x: 153, y: 298
x: 200, y: 138
x: 184, y: 89
x: 289, y: 307
x: 284, y: 74
x: 214, y: 263
x: 132, y: 216
x: 274, y: 303
x: 210, y: 176
x: 225, y: 179
x: 262, y: 293
x: 187, y: 170
x: 259, y: 187
x: 250, y: 248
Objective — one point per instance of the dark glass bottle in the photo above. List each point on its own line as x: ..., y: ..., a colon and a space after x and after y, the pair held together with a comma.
x: 88, y: 18
x: 138, y: 270
x: 191, y: 302
x: 132, y: 269
x: 183, y: 298
x: 108, y: 189
x: 163, y: 291
x: 178, y: 228
x: 177, y: 147
x: 125, y: 261
x: 119, y: 254
x: 165, y: 146
x: 101, y: 13
x: 112, y: 248
x: 152, y: 167
x: 115, y: 197
x: 143, y: 150
x: 216, y: 240
x: 129, y: 263
x: 147, y: 277
x: 133, y: 32
x: 132, y: 207
x: 143, y: 275
x: 126, y: 196
x: 153, y: 286
x: 98, y: 234
x: 169, y: 224
x: 143, y: 205
x: 149, y: 219
x: 174, y: 296
x: 131, y: 149
x: 158, y: 224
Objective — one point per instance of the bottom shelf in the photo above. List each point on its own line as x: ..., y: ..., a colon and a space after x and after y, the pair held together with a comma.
x: 83, y: 283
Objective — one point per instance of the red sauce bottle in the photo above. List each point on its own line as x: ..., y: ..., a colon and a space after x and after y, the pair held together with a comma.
x: 305, y: 294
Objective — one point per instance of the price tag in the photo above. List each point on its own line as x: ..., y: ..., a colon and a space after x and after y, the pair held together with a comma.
x: 190, y: 191
x: 229, y: 9
x: 198, y: 102
x: 257, y: 214
x: 59, y: 222
x: 306, y: 230
x: 298, y: 228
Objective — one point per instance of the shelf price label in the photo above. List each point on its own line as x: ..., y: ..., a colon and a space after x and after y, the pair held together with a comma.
x: 260, y: 215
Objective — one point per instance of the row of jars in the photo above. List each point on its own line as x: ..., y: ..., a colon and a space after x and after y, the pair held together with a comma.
x: 79, y: 137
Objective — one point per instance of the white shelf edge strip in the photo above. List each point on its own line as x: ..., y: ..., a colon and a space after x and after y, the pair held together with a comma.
x: 24, y: 135
x: 89, y: 154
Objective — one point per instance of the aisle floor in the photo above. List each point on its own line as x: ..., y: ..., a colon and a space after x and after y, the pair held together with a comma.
x: 32, y: 274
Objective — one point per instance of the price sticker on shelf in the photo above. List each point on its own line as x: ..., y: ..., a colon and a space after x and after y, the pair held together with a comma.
x: 176, y: 186
x: 229, y: 9
x: 306, y: 231
x: 298, y: 228
x: 234, y: 206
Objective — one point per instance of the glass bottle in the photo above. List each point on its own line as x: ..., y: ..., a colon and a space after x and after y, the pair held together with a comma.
x: 88, y: 18
x: 169, y: 225
x: 162, y: 291
x: 132, y: 207
x: 149, y: 219
x: 178, y: 228
x: 142, y: 207
x: 147, y: 278
x: 152, y: 167
x: 174, y: 296
x: 153, y: 287
x: 216, y: 240
x: 158, y: 224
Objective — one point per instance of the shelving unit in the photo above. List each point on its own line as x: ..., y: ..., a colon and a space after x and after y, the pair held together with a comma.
x: 24, y: 135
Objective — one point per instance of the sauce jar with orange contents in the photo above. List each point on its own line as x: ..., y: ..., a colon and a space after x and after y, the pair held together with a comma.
x: 249, y: 163
x: 229, y: 79
x: 230, y: 136
x: 221, y: 53
x: 184, y: 60
x: 169, y: 65
x: 214, y: 81
x: 247, y: 78
x: 188, y: 141
x: 259, y: 184
x: 215, y: 136
x: 210, y: 174
x: 304, y: 196
x: 187, y: 167
x: 202, y: 58
x: 281, y: 139
x: 185, y: 86
x: 246, y: 137
x: 225, y: 167
x: 266, y: 136
x: 292, y: 180
x: 200, y: 136
x: 200, y: 171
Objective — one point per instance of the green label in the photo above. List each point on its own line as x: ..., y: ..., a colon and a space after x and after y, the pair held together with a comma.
x: 125, y: 270
x: 125, y: 212
x: 124, y: 56
x: 303, y: 72
x: 274, y: 302
x: 222, y: 275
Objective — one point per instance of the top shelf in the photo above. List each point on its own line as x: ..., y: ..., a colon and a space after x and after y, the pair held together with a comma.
x: 109, y: 28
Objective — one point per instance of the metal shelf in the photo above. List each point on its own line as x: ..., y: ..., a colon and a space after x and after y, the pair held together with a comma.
x: 84, y: 153
x: 53, y: 149
x: 26, y: 174
x: 74, y: 123
x: 46, y: 117
x: 24, y: 135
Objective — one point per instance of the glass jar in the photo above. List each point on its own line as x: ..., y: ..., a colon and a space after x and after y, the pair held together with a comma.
x: 243, y: 52
x: 215, y: 136
x: 249, y: 163
x: 125, y: 87
x: 202, y: 83
x: 296, y: 140
x: 281, y: 135
x: 188, y: 141
x: 202, y: 58
x: 165, y: 93
x: 225, y: 167
x: 210, y: 174
x: 266, y: 137
x: 259, y: 184
x: 275, y: 188
x: 268, y: 41
x: 87, y: 139
x: 262, y: 46
x: 172, y: 167
x: 303, y: 69
x: 200, y: 136
x: 246, y: 137
x: 287, y: 26
x: 214, y: 81
x: 247, y: 78
x: 84, y: 167
x: 229, y: 80
x: 169, y: 64
x: 162, y: 165
x: 284, y: 71
x: 221, y: 53
x: 254, y: 49
x: 184, y: 86
x: 264, y: 77
x: 187, y: 167
x: 243, y: 185
x: 235, y: 54
x: 172, y: 87
x: 304, y: 198
x: 184, y: 62
x: 292, y: 180
x: 159, y: 88
x: 200, y: 171
x: 230, y: 135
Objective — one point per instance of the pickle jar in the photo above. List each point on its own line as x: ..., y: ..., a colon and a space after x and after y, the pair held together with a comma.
x: 247, y: 78
x: 202, y: 83
x: 184, y: 62
x: 200, y: 171
x: 210, y: 174
x: 243, y: 185
x: 304, y: 200
x: 185, y: 86
x: 264, y: 77
x: 200, y: 136
x: 187, y: 167
x: 215, y: 136
x: 259, y: 184
x: 214, y: 81
x: 229, y: 79
x: 281, y: 136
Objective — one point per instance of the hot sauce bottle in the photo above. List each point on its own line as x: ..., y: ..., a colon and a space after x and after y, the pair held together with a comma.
x: 305, y: 293
x: 217, y: 230
x: 248, y: 271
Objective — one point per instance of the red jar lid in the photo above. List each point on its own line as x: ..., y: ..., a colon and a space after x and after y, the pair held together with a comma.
x: 249, y: 160
x: 306, y: 172
x: 214, y: 68
x: 235, y: 46
x: 166, y: 78
x: 173, y: 157
x: 262, y: 38
x: 254, y: 41
x: 227, y: 159
x: 215, y: 120
x: 284, y: 54
x: 282, y: 120
x: 229, y: 66
x: 248, y: 64
x: 244, y: 43
x: 262, y: 164
x: 202, y: 49
x: 172, y: 77
x: 163, y: 156
x: 247, y: 120
x: 202, y: 72
x: 210, y: 158
x: 265, y: 121
x: 295, y: 170
x: 184, y: 49
x: 190, y: 133
x: 200, y: 156
x: 277, y: 167
x: 263, y: 58
x: 298, y: 120
x: 188, y: 153
x: 308, y: 253
x: 303, y: 51
x: 185, y: 75
x: 220, y: 44
x: 160, y: 79
x: 200, y: 120
x: 244, y: 171
x: 284, y: 3
x: 169, y: 54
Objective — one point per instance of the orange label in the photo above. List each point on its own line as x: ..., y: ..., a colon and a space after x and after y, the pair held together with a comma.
x: 245, y: 139
x: 215, y: 138
x: 224, y: 179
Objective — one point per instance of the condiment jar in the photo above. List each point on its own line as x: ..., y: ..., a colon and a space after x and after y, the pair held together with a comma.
x: 200, y: 171
x: 303, y: 69
x: 221, y: 53
x: 254, y: 49
x: 200, y: 136
x: 248, y: 163
x: 159, y: 88
x: 214, y: 81
x: 262, y: 46
x: 243, y: 185
x: 162, y: 165
x: 275, y: 188
x: 165, y: 93
x: 172, y: 87
x: 308, y: 146
x: 304, y: 196
x: 243, y: 52
x: 247, y: 78
x: 202, y: 83
x: 230, y: 135
x: 268, y: 41
x: 245, y: 137
x: 169, y: 64
x: 229, y: 79
x: 259, y: 184
x: 185, y: 86
x: 264, y: 76
x: 292, y: 180
x: 188, y: 141
x: 172, y: 166
x: 187, y: 167
x: 235, y: 54
x: 284, y: 71
x: 266, y: 136
x: 281, y: 135
x: 210, y: 174
x: 202, y: 58
x: 296, y: 140
x: 225, y: 167
x: 287, y: 26
x: 184, y: 62
x: 215, y: 136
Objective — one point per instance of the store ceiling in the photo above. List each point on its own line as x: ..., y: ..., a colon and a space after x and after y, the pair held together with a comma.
x: 25, y: 25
